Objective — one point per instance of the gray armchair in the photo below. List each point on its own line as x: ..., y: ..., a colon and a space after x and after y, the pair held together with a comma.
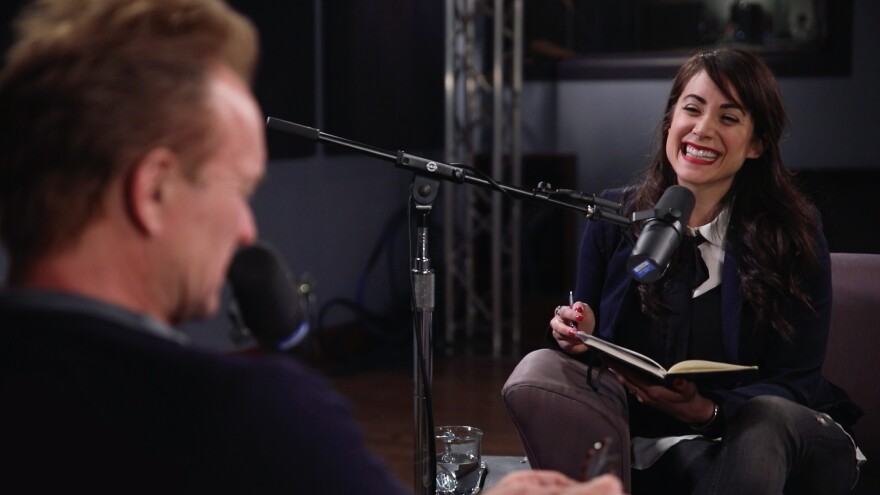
x: 551, y: 418
x: 853, y: 359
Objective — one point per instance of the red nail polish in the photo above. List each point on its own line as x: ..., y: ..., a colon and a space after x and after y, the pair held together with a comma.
x: 579, y: 309
x: 579, y: 317
x: 571, y: 333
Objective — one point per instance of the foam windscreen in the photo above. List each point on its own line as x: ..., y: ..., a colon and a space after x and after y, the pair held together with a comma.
x: 267, y: 300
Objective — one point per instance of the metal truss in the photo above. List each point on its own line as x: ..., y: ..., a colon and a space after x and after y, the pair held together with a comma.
x: 483, y: 86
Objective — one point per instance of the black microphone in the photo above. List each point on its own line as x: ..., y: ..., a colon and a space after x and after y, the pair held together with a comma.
x: 269, y: 304
x: 661, y: 234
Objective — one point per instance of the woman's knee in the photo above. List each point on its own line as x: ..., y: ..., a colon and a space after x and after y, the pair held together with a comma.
x: 558, y: 372
x: 770, y: 409
x: 774, y: 419
x: 765, y: 417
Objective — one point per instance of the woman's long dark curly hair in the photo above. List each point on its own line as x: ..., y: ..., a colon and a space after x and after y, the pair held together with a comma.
x: 773, y: 227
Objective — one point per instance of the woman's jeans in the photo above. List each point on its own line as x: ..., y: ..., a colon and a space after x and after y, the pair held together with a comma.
x: 771, y: 446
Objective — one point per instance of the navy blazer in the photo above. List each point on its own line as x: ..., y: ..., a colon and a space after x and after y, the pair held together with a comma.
x: 789, y: 369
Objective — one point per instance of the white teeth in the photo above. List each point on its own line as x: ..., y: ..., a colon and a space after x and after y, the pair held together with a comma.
x: 701, y: 154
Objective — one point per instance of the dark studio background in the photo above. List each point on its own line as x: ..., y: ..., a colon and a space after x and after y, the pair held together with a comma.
x: 373, y: 72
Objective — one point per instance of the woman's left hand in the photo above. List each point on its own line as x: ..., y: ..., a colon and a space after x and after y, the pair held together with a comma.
x: 680, y: 399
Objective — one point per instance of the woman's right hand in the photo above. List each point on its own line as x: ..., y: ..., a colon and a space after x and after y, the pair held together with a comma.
x: 583, y: 319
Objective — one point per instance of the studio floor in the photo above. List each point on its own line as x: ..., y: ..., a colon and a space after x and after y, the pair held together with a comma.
x: 466, y: 391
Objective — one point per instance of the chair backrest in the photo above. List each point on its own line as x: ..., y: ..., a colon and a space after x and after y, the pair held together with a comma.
x: 853, y: 359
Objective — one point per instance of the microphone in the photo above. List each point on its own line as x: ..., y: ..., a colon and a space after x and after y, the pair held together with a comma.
x: 269, y: 304
x: 661, y: 234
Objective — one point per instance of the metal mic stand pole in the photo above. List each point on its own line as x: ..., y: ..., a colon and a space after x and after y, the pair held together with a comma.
x: 423, y: 192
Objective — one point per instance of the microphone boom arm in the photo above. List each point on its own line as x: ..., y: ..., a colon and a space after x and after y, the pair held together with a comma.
x: 593, y: 207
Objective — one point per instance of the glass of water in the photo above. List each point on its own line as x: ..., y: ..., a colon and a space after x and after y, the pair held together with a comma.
x: 458, y: 459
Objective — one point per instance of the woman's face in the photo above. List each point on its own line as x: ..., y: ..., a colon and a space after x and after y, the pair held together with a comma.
x: 709, y: 138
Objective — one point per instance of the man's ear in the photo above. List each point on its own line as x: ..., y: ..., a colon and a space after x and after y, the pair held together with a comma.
x: 148, y: 188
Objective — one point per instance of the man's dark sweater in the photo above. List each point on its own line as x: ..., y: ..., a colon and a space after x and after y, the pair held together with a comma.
x: 99, y: 400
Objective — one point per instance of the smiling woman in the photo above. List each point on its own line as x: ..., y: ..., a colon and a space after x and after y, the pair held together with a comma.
x: 764, y: 298
x: 709, y: 139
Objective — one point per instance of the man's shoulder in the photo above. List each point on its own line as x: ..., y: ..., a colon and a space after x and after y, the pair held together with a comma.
x: 84, y: 367
x: 135, y: 398
x: 104, y: 352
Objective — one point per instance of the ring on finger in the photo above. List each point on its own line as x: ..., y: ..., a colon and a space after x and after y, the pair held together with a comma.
x: 556, y: 312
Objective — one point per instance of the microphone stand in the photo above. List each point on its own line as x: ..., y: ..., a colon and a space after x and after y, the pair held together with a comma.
x: 423, y: 192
